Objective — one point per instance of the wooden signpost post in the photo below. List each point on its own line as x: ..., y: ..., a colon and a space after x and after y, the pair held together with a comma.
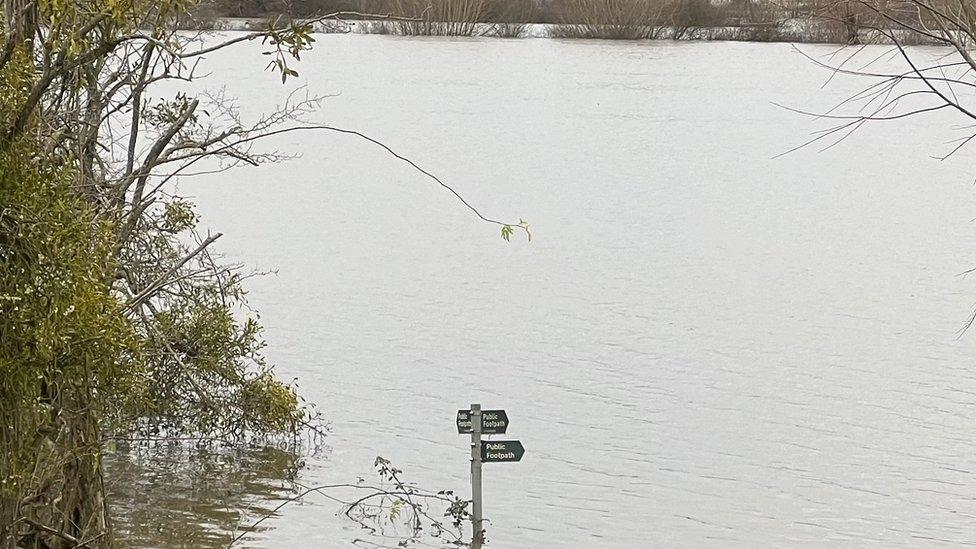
x: 478, y: 422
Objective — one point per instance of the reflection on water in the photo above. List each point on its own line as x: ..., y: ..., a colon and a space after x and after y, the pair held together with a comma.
x: 180, y: 496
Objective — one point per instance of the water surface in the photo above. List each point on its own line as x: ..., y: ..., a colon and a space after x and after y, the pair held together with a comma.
x: 702, y: 346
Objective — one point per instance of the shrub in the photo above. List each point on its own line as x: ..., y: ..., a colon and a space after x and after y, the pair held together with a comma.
x: 438, y: 17
x: 610, y: 19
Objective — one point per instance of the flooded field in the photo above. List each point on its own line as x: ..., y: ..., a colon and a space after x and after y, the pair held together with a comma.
x: 702, y: 346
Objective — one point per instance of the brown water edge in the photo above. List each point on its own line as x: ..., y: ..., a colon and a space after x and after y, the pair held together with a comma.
x: 176, y: 495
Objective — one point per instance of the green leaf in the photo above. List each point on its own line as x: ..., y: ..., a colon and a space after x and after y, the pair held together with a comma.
x: 507, y: 232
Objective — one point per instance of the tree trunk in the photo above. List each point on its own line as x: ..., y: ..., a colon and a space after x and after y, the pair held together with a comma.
x: 64, y: 504
x: 20, y: 20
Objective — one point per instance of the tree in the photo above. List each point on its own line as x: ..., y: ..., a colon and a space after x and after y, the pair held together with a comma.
x: 923, y: 86
x: 109, y: 319
x: 114, y: 315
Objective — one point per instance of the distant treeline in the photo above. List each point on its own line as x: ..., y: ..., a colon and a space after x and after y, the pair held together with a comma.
x: 834, y: 21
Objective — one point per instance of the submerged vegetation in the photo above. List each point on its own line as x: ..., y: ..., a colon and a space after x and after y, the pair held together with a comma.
x: 828, y: 21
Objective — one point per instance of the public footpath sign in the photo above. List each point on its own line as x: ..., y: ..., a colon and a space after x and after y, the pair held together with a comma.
x: 488, y: 422
x: 493, y: 422
x: 500, y: 451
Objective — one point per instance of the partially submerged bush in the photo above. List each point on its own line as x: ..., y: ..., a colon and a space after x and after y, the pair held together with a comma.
x: 63, y: 339
x: 684, y: 15
x: 511, y: 18
x: 611, y: 19
x: 113, y: 315
x: 438, y: 17
x: 633, y: 19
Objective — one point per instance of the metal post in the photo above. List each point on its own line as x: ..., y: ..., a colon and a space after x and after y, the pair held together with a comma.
x: 477, y: 533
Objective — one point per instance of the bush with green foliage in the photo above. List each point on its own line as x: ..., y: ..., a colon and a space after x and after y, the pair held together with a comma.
x: 114, y: 316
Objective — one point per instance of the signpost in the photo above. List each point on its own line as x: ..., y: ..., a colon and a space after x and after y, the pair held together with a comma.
x: 477, y: 422
x: 477, y: 531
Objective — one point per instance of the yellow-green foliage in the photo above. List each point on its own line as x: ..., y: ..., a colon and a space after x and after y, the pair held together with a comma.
x: 61, y: 331
x: 63, y: 337
x: 211, y: 377
x: 68, y: 345
x: 15, y: 82
x: 108, y: 321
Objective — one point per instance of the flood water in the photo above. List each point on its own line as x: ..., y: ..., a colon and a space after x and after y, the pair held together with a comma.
x: 702, y: 346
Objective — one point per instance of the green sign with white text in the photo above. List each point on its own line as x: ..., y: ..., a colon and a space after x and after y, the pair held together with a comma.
x: 501, y: 451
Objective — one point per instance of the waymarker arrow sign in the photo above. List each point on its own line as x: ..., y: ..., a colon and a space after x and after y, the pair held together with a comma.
x: 500, y: 451
x: 493, y: 422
